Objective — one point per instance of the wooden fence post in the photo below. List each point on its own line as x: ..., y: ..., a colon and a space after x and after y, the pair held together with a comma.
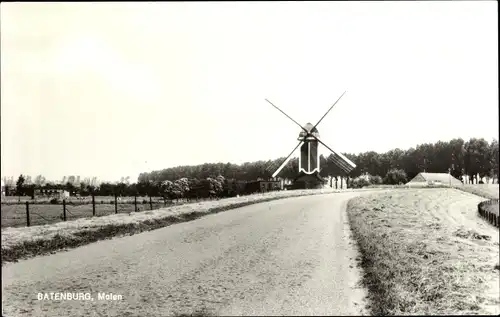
x: 27, y: 214
x: 64, y: 209
x: 116, y: 205
x: 135, y: 202
x: 150, y: 203
x: 93, y: 205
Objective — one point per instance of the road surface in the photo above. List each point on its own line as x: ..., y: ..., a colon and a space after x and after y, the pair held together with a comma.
x: 285, y: 257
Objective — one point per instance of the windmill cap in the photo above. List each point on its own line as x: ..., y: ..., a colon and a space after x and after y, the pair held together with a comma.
x: 309, y: 127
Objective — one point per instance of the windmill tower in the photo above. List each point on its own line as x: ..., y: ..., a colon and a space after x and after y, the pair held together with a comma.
x: 309, y: 154
x: 309, y: 159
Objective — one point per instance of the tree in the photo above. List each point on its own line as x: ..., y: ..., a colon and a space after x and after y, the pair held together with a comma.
x: 166, y: 189
x: 106, y: 189
x: 176, y: 191
x: 91, y: 189
x: 39, y: 181
x: 195, y: 189
x: 395, y: 177
x: 370, y: 163
x: 458, y: 155
x: 27, y: 180
x: 184, y: 184
x: 83, y: 189
x: 71, y: 180
x: 70, y: 187
x: 121, y: 189
x: 180, y: 188
x: 216, y: 187
x: 477, y: 158
x: 221, y: 179
x: 20, y: 186
x: 493, y: 157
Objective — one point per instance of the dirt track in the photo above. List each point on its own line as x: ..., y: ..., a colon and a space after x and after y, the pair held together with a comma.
x: 286, y: 257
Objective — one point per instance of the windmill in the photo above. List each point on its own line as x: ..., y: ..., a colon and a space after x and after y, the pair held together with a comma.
x: 309, y: 159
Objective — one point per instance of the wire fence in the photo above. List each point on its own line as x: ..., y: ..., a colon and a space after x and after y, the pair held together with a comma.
x: 34, y: 213
x: 489, y: 210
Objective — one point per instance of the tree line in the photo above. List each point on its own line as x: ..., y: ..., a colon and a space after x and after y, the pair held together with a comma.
x: 473, y: 157
x: 183, y: 188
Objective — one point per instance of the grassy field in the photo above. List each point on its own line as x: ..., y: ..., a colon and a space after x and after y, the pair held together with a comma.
x: 14, y: 215
x: 425, y: 251
x: 73, y: 199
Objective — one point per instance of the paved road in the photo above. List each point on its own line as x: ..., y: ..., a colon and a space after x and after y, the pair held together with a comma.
x: 286, y: 257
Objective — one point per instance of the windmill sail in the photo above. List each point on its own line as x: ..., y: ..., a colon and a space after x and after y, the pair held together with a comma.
x: 343, y: 162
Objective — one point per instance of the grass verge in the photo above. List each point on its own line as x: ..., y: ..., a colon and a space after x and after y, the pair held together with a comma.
x: 489, y: 191
x: 26, y: 242
x: 423, y: 252
x: 493, y: 208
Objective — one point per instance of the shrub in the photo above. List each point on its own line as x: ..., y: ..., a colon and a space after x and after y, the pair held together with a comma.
x: 375, y: 180
x: 359, y: 182
x: 55, y: 201
x: 395, y: 177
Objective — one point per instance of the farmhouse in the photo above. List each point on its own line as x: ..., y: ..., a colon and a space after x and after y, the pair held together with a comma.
x: 426, y: 179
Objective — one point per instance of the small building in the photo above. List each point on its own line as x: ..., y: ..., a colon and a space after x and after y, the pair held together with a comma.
x: 263, y: 186
x: 235, y: 186
x: 52, y: 192
x: 434, y: 179
x: 8, y: 191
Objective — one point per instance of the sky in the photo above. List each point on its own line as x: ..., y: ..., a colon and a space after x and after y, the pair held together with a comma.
x: 116, y: 89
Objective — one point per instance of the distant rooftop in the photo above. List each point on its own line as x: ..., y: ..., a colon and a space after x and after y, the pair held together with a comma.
x: 435, y: 177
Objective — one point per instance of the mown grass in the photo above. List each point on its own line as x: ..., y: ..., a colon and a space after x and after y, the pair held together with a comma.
x: 416, y: 261
x: 489, y: 191
x: 492, y: 208
x: 21, y: 243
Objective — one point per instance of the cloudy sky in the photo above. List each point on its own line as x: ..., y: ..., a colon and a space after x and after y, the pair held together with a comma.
x: 115, y: 89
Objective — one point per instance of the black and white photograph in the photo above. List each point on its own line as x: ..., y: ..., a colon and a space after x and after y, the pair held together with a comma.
x: 288, y: 158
